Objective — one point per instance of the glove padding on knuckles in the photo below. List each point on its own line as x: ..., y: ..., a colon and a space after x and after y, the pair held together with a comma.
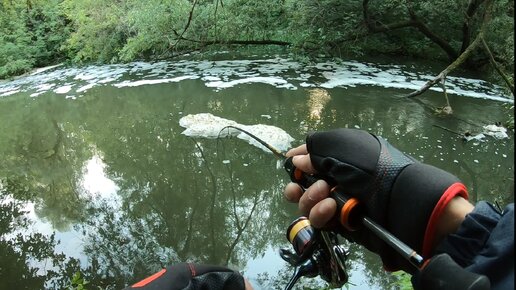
x: 191, y: 276
x: 404, y: 196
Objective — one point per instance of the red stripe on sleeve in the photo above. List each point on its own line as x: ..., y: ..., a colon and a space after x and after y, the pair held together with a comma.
x: 149, y: 279
x: 456, y: 189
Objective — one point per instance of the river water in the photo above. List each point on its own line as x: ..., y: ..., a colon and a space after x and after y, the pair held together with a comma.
x: 98, y: 176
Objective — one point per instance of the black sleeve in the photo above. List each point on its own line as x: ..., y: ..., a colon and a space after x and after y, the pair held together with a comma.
x: 484, y: 244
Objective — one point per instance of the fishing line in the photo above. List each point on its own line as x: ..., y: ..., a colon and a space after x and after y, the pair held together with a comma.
x: 271, y: 148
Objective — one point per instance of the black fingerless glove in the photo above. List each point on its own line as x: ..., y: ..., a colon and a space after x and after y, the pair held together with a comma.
x: 403, y: 195
x: 189, y: 276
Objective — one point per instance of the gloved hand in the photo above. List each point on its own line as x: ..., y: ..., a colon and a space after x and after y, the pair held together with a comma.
x: 190, y: 276
x: 403, y: 195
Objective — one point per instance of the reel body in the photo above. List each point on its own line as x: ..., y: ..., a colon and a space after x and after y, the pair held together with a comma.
x: 316, y: 253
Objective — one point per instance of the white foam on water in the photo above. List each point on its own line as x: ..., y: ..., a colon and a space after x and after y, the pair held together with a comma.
x: 224, y: 74
x: 206, y: 125
x: 351, y: 74
x: 8, y: 93
x: 63, y: 90
x: 153, y: 82
x: 36, y: 94
x: 272, y: 135
x: 228, y: 84
x: 86, y: 87
x: 496, y: 131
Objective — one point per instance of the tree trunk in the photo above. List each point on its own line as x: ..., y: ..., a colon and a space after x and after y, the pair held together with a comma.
x: 414, y: 22
x: 466, y: 32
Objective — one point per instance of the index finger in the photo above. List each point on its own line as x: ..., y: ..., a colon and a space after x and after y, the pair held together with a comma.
x: 303, y: 163
x: 299, y: 150
x: 301, y: 159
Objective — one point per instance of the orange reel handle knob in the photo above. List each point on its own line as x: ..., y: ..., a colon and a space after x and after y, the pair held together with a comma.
x: 349, y: 210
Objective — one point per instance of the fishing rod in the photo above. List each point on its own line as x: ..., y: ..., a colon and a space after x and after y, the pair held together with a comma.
x: 319, y: 253
x: 274, y: 151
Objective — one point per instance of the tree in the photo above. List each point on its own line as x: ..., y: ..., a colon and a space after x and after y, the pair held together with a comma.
x: 442, y: 29
x: 31, y: 34
x: 465, y: 56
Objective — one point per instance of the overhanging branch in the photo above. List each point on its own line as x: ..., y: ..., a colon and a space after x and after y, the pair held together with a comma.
x: 462, y: 57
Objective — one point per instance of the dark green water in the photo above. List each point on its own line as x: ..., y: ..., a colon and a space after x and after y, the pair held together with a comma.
x: 105, y: 182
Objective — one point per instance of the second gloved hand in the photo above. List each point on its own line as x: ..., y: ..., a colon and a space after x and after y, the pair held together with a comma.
x: 191, y: 276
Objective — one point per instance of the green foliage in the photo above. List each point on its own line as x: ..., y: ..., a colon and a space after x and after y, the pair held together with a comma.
x: 500, y: 35
x: 402, y: 281
x: 78, y: 282
x: 255, y: 23
x: 16, y: 51
x: 40, y: 32
x: 31, y: 34
x: 99, y: 27
x: 152, y: 26
x: 320, y: 25
x: 159, y: 28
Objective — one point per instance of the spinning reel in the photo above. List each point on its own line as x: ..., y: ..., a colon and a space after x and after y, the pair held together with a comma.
x: 316, y: 253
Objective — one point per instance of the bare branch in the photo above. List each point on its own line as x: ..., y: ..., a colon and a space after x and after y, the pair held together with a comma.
x: 180, y: 37
x: 423, y: 28
x: 414, y: 22
x: 497, y: 67
x: 239, y: 42
x: 462, y: 57
x: 448, y: 69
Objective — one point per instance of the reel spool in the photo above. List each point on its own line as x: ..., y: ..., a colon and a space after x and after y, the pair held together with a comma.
x: 316, y: 253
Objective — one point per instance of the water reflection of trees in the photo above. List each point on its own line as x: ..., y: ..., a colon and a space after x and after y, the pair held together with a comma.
x: 374, y: 277
x: 44, y: 156
x: 178, y: 198
x: 27, y: 258
x: 185, y: 200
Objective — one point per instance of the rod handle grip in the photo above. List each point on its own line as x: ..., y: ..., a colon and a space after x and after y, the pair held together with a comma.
x: 443, y: 273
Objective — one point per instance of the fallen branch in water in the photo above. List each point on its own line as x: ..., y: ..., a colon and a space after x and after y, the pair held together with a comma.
x: 450, y: 130
x: 441, y: 76
x: 462, y: 57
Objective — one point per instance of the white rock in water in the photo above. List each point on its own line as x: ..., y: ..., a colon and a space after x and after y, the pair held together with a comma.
x: 273, y: 136
x: 207, y: 125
